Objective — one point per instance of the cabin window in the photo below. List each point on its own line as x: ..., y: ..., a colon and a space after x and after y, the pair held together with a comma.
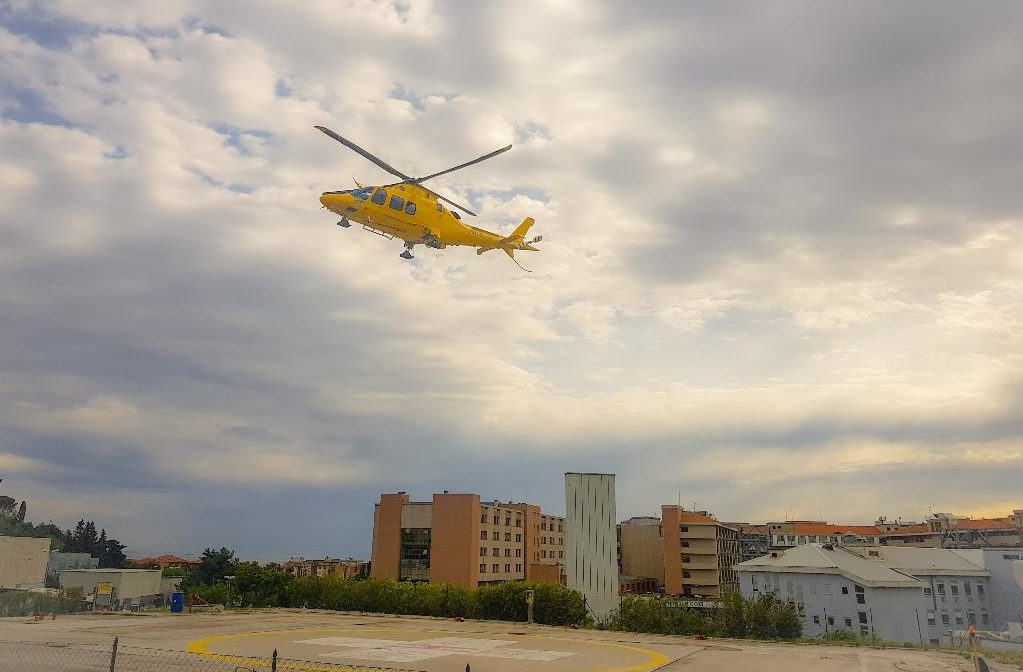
x: 379, y: 197
x: 410, y: 208
x: 397, y: 203
x: 362, y: 194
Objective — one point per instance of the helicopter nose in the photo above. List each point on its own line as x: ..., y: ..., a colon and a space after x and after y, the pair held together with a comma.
x: 335, y: 201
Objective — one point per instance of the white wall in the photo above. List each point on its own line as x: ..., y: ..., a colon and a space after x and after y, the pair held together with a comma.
x: 23, y: 562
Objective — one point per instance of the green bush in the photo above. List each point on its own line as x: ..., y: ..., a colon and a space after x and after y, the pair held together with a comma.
x: 24, y: 603
x: 764, y: 617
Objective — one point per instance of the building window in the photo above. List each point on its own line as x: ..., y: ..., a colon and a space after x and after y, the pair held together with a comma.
x: 483, y: 551
x: 497, y: 552
x: 683, y: 528
x: 507, y: 521
x: 494, y: 568
x: 518, y: 522
x: 845, y: 590
x: 483, y: 534
x: 685, y: 543
x: 543, y: 540
x: 507, y: 536
x: 980, y: 589
x: 518, y: 568
x: 483, y: 569
x: 518, y: 552
x: 685, y: 559
x: 967, y: 588
x: 983, y: 616
x: 955, y: 589
x: 959, y: 617
x: 507, y: 567
x: 561, y: 554
x: 831, y: 620
x: 518, y: 537
x: 941, y: 588
x: 507, y: 552
x: 543, y: 553
x: 686, y: 575
x: 927, y: 590
x: 848, y: 622
x: 496, y: 519
x: 971, y: 617
x: 930, y: 617
x: 816, y: 620
x: 944, y: 618
x: 559, y: 528
x: 543, y: 525
x: 863, y: 616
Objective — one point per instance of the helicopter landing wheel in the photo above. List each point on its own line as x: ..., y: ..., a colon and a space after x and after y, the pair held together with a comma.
x: 344, y: 223
x: 407, y: 254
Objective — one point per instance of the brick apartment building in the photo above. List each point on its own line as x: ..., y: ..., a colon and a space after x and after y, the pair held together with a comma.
x: 459, y: 540
x: 685, y: 552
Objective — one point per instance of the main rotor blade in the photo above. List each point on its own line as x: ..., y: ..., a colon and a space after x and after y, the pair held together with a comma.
x: 451, y: 170
x: 351, y: 145
x: 450, y: 202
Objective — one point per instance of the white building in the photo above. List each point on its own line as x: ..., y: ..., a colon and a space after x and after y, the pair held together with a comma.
x: 116, y: 587
x: 59, y: 561
x: 899, y: 594
x: 591, y: 541
x: 23, y: 562
x: 1006, y: 567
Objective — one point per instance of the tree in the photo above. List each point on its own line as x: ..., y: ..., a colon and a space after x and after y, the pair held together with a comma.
x: 85, y: 539
x: 215, y: 565
x: 22, y: 510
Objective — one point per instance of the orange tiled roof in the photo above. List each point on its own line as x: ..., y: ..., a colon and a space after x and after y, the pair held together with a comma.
x: 828, y: 528
x: 163, y: 559
x: 910, y: 529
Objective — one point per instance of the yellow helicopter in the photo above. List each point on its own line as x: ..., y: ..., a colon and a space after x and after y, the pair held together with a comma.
x: 410, y: 211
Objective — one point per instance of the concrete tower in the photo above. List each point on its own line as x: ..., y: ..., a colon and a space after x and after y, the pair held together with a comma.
x: 591, y: 543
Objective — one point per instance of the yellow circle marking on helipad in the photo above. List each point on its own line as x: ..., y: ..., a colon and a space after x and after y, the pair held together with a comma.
x: 200, y: 647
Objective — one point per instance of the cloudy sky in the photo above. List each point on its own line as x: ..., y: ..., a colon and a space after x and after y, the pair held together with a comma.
x: 781, y: 275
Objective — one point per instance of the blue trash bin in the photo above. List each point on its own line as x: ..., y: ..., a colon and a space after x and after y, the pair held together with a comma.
x: 177, y: 602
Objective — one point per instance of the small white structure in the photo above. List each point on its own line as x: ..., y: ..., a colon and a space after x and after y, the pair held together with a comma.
x: 591, y: 541
x: 116, y: 587
x: 23, y: 562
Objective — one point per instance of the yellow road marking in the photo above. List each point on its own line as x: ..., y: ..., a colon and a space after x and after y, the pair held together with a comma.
x: 200, y: 647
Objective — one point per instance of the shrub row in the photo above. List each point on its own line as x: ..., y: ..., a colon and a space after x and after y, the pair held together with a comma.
x: 271, y: 586
x: 764, y: 617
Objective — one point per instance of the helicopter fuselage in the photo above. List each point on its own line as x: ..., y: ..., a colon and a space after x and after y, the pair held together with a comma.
x: 412, y: 213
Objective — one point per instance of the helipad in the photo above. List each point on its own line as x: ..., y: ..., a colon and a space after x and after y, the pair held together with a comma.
x: 430, y: 648
x: 320, y: 641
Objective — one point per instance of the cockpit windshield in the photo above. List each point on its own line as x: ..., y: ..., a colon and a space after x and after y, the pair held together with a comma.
x: 362, y: 193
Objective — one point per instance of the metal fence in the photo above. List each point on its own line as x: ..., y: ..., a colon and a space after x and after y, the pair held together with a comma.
x: 59, y: 657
